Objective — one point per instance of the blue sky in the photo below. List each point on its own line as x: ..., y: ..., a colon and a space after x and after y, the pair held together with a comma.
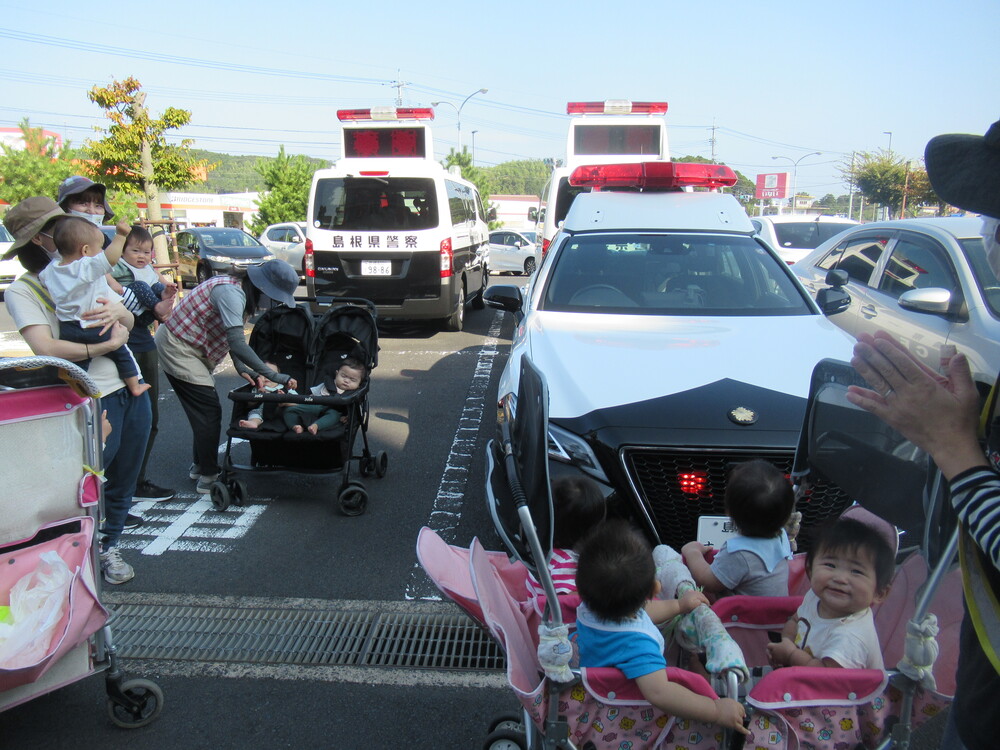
x: 773, y: 78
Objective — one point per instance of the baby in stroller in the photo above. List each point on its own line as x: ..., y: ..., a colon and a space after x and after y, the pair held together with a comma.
x: 255, y: 418
x: 315, y: 417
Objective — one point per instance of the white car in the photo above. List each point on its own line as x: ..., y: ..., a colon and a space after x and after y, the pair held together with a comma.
x: 9, y: 269
x: 674, y: 344
x: 794, y: 235
x: 286, y: 242
x: 512, y: 252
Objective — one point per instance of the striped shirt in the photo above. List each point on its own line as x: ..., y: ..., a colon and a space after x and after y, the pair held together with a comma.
x: 975, y: 493
x: 562, y: 567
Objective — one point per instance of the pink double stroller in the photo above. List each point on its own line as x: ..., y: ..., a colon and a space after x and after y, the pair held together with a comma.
x: 53, y: 628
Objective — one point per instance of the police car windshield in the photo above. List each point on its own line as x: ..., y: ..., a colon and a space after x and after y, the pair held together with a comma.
x: 670, y: 274
x: 375, y: 203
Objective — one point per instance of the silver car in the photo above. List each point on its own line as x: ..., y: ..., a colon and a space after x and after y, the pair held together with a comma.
x: 286, y: 242
x: 794, y: 235
x: 512, y: 252
x: 925, y: 281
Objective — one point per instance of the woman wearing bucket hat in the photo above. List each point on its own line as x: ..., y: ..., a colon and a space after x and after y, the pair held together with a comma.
x: 941, y: 414
x: 79, y: 196
x: 205, y: 326
x: 31, y: 307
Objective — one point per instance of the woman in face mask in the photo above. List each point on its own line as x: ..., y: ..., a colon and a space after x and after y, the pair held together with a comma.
x: 81, y: 197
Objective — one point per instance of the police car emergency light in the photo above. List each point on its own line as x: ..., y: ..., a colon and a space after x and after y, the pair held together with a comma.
x: 382, y: 136
x: 653, y: 175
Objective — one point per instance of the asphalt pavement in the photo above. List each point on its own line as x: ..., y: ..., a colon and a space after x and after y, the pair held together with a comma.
x: 289, y: 548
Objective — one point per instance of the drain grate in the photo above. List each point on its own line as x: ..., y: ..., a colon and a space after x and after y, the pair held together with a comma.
x: 320, y: 636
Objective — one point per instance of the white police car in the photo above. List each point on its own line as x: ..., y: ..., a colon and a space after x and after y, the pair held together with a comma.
x: 674, y: 344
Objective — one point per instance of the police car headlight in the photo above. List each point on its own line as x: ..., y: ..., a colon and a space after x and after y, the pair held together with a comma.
x: 572, y: 449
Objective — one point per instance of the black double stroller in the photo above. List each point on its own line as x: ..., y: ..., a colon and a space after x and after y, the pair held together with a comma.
x: 310, y: 349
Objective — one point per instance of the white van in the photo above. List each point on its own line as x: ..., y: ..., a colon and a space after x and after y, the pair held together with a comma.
x: 388, y: 223
x: 615, y: 131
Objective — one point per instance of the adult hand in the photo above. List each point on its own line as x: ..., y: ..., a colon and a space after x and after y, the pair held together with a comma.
x: 107, y: 313
x: 692, y: 600
x: 292, y: 384
x: 937, y: 413
x: 118, y: 337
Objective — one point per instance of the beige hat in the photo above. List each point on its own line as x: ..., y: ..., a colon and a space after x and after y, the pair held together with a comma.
x: 27, y: 219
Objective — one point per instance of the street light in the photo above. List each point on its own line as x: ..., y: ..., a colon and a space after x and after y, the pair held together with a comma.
x: 795, y: 170
x: 474, y: 147
x: 458, y: 111
x: 888, y: 133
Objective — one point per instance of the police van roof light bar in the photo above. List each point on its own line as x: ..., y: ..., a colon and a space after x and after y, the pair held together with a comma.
x: 653, y: 174
x: 616, y: 107
x: 386, y: 114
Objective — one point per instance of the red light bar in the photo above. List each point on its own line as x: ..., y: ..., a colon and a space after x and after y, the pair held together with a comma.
x: 616, y: 107
x: 654, y: 174
x: 386, y: 113
x: 369, y: 173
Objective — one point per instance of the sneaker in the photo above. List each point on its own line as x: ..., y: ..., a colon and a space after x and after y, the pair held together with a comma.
x: 194, y: 472
x: 133, y: 521
x: 148, y: 491
x: 114, y: 568
x: 205, y: 483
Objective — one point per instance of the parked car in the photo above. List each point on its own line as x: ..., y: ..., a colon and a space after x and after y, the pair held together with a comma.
x: 512, y: 252
x: 925, y: 281
x: 674, y: 344
x: 286, y: 242
x: 9, y: 269
x: 203, y: 252
x: 794, y: 235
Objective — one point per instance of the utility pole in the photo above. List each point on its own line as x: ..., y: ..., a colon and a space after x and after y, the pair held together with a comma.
x: 399, y: 86
x: 712, y: 140
x: 850, y: 197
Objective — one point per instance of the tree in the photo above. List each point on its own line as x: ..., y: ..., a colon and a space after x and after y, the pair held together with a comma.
x: 37, y: 169
x: 744, y: 188
x: 134, y: 155
x: 287, y: 180
x: 475, y: 175
x: 523, y: 177
x: 880, y: 176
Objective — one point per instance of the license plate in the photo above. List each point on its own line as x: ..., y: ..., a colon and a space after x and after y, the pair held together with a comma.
x: 376, y: 268
x: 714, y: 530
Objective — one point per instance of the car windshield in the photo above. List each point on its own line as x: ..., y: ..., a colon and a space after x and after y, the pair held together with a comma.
x: 986, y: 278
x: 229, y: 238
x: 670, y: 274
x: 531, y: 236
x: 5, y: 235
x: 807, y: 234
x: 376, y: 203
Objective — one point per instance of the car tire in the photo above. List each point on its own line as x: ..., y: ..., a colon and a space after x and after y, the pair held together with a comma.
x: 456, y: 321
x: 479, y: 301
x: 529, y: 266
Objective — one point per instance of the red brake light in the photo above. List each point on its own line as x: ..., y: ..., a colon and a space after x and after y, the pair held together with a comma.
x: 693, y: 482
x: 309, y: 259
x: 616, y: 107
x: 446, y: 258
x: 386, y: 113
x: 545, y: 245
x: 369, y: 173
x: 654, y: 174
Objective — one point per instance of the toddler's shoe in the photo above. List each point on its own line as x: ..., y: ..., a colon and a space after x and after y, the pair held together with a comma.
x: 205, y: 483
x: 115, y: 569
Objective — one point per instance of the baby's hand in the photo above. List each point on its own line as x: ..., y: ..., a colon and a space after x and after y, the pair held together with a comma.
x: 730, y: 714
x: 116, y: 287
x: 693, y: 549
x: 123, y: 228
x: 692, y: 600
x: 780, y: 654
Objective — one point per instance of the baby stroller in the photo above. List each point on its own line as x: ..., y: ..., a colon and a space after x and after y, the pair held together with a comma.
x: 53, y: 629
x: 561, y: 707
x: 310, y: 349
x: 917, y: 624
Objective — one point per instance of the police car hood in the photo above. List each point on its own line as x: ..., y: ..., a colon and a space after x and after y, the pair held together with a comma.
x: 614, y: 360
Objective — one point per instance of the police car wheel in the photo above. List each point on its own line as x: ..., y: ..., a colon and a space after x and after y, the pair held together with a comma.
x: 456, y: 322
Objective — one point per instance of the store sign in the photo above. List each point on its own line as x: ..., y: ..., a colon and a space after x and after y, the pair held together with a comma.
x: 772, y: 186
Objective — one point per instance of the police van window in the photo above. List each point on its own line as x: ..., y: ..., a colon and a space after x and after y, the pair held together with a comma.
x: 858, y: 256
x: 917, y: 263
x: 460, y: 202
x: 375, y: 203
x: 616, y: 139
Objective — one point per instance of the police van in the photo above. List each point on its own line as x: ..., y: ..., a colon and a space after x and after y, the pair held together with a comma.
x: 388, y: 223
x: 615, y: 131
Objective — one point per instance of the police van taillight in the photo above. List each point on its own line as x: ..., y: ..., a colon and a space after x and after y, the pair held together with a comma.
x: 386, y: 114
x: 545, y: 245
x: 309, y: 259
x: 447, y: 257
x: 653, y: 174
x: 616, y: 107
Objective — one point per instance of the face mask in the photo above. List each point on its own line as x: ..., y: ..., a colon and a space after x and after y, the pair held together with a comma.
x: 990, y: 244
x: 53, y: 254
x: 96, y: 219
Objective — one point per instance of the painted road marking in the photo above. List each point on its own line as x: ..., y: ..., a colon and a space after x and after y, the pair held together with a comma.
x: 447, y: 507
x: 184, y: 526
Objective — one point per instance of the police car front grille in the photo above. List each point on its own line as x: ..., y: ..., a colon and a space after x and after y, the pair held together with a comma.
x: 657, y: 475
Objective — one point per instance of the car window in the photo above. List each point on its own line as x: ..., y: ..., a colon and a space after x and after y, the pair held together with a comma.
x: 511, y: 239
x: 5, y: 235
x: 827, y: 229
x: 376, y: 204
x: 669, y: 275
x: 986, y: 277
x: 917, y: 262
x: 185, y: 239
x: 858, y: 256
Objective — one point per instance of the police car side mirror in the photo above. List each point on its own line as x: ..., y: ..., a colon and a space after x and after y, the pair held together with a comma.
x: 532, y: 214
x: 506, y: 297
x: 491, y: 214
x: 832, y: 300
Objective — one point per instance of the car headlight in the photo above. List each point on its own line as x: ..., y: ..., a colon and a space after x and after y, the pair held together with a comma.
x: 572, y: 449
x: 266, y: 258
x: 219, y: 258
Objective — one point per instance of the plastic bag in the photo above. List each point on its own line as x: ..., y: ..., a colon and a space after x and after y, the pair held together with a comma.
x: 37, y: 604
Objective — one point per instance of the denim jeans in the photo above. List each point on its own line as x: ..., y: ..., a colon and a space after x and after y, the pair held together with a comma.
x: 130, y: 418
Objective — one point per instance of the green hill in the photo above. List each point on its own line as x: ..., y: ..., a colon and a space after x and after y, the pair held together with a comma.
x: 234, y: 173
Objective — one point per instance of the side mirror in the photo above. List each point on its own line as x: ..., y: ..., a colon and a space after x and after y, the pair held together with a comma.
x: 933, y: 300
x: 533, y: 214
x: 837, y: 278
x: 833, y: 300
x: 506, y: 297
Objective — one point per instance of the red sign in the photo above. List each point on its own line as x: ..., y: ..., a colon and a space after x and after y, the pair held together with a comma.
x: 772, y: 186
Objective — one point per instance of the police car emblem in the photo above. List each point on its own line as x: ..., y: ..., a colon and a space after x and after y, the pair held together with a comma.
x: 742, y: 415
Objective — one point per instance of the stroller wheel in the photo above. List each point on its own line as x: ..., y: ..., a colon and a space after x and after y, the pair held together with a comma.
x: 220, y: 496
x: 505, y: 739
x: 353, y: 499
x: 238, y: 489
x: 366, y: 466
x: 509, y: 721
x: 381, y: 464
x: 148, y: 702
